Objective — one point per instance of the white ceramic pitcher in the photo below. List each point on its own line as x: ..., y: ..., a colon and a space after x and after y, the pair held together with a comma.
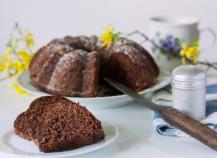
x: 171, y: 32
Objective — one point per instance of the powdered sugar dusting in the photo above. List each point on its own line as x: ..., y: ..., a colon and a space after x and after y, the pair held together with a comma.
x: 62, y: 64
x: 129, y: 51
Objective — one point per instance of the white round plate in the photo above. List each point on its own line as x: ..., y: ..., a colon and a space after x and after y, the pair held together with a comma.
x: 94, y: 102
x: 13, y: 146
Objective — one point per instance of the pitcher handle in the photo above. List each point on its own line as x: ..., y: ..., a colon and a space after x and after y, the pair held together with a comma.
x: 212, y: 32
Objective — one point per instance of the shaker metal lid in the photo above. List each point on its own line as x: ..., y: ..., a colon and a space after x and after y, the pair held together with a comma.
x: 188, y: 73
x: 188, y: 77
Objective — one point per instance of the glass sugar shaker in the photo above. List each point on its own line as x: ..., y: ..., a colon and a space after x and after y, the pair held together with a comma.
x: 189, y: 90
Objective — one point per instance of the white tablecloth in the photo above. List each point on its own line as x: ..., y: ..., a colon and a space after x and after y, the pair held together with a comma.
x: 136, y: 136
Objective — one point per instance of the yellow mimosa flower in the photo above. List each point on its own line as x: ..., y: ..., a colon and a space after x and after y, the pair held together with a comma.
x: 11, y: 65
x: 19, y: 66
x: 28, y: 38
x: 191, y: 52
x: 8, y: 51
x: 17, y: 56
x: 108, y: 29
x: 182, y: 53
x: 108, y: 36
x: 18, y: 89
x: 5, y: 58
x: 2, y: 67
x: 184, y: 46
x: 24, y: 56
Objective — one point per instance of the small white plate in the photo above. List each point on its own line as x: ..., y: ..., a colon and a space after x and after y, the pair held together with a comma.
x: 14, y: 146
x: 94, y: 102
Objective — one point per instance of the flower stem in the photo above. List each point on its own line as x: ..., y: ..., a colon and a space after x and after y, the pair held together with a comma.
x: 210, y: 65
x: 146, y: 38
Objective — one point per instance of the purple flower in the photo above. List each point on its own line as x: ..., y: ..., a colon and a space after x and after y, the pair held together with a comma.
x: 170, y: 44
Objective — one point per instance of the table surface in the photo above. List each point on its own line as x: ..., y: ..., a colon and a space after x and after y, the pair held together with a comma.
x: 136, y: 135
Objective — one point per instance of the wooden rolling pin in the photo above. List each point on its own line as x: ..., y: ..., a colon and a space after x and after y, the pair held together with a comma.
x: 174, y: 117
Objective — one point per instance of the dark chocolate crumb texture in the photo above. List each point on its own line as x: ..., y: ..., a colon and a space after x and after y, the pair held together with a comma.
x: 55, y: 123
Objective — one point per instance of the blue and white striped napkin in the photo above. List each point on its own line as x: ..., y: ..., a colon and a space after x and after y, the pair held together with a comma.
x: 164, y: 98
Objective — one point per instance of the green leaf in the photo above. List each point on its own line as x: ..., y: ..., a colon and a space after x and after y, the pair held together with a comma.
x: 177, y: 41
x: 117, y: 36
x: 9, y: 43
x: 17, y: 25
x: 195, y: 43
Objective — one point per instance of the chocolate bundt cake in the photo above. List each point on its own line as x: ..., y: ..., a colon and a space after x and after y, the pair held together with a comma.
x: 76, y: 66
x: 129, y: 63
x: 60, y: 69
x: 58, y: 124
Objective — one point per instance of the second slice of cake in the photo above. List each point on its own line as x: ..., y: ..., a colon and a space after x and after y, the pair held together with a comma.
x: 58, y: 124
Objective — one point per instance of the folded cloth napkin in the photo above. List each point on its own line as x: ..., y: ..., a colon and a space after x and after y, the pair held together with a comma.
x: 165, y: 98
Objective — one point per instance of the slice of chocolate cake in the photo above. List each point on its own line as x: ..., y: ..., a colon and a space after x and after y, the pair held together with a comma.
x: 20, y: 126
x: 58, y: 124
x: 25, y: 123
x: 35, y: 111
x: 67, y: 126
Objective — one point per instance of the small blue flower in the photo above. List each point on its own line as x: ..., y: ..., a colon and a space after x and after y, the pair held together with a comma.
x: 170, y: 44
x: 169, y: 37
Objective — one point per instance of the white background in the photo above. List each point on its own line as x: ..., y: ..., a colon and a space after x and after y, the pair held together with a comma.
x: 55, y: 18
x: 48, y: 19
